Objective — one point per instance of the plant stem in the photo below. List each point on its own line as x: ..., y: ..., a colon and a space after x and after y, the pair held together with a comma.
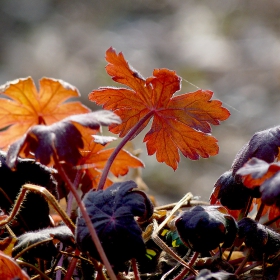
x: 135, y: 269
x: 259, y: 214
x: 72, y: 266
x: 85, y: 215
x: 243, y: 263
x: 185, y: 270
x: 112, y: 157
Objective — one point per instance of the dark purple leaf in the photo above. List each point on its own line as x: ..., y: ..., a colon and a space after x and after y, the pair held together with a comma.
x: 112, y: 213
x: 263, y: 145
x: 34, y: 213
x: 45, y: 250
x: 205, y: 228
x: 63, y: 136
x: 231, y: 194
x: 259, y: 238
x: 270, y: 190
x: 257, y: 172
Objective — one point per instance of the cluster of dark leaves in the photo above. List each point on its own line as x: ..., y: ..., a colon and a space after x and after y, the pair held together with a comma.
x: 254, y: 173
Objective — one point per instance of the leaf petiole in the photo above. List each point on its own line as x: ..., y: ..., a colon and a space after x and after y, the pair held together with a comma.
x: 111, y: 159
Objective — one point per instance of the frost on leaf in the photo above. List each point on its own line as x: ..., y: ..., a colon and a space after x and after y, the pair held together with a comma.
x: 113, y: 213
x: 63, y: 137
x: 205, y: 228
x: 22, y: 106
x: 180, y: 123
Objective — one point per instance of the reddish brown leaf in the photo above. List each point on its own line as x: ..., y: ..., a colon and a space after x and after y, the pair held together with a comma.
x: 94, y: 158
x: 9, y: 269
x: 25, y: 106
x: 180, y: 122
x: 64, y: 137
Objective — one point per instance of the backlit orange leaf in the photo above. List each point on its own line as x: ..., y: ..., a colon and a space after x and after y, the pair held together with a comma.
x: 9, y: 269
x: 7, y: 245
x: 22, y: 106
x: 94, y: 158
x: 179, y: 122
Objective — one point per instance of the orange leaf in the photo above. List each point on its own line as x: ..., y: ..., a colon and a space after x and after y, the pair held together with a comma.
x: 94, y: 159
x: 7, y: 245
x: 180, y: 123
x: 25, y: 106
x: 9, y: 269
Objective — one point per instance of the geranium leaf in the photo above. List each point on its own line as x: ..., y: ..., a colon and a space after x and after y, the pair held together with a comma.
x: 205, y: 228
x: 27, y: 171
x: 95, y: 156
x: 63, y: 136
x: 9, y: 269
x: 263, y: 145
x: 259, y: 238
x: 179, y: 122
x: 265, y: 175
x: 206, y: 274
x: 112, y: 213
x: 46, y: 250
x: 26, y: 106
x: 231, y: 194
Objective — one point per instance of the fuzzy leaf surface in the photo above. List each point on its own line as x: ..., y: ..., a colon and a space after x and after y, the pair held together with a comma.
x: 46, y: 250
x: 179, y: 122
x: 112, y: 213
x: 27, y: 171
x: 204, y: 228
x: 231, y: 194
x: 259, y: 238
x: 24, y: 106
x: 263, y: 145
x: 64, y: 137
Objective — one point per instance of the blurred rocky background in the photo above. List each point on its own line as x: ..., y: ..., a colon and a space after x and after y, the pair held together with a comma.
x: 230, y: 47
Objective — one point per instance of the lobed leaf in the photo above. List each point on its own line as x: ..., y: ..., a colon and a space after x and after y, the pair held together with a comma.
x: 94, y: 158
x: 263, y: 145
x: 22, y: 106
x: 259, y: 173
x: 46, y: 250
x: 112, y: 213
x: 259, y: 238
x: 64, y: 137
x: 231, y: 194
x: 179, y: 122
x: 205, y: 228
x: 27, y: 171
